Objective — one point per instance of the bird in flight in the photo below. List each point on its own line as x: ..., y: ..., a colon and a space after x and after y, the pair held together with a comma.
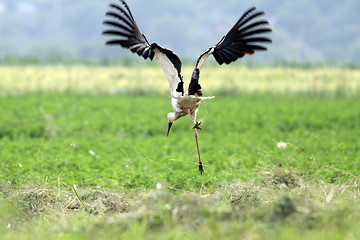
x: 245, y: 37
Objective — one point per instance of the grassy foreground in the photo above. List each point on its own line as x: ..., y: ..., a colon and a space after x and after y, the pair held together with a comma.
x: 136, y: 183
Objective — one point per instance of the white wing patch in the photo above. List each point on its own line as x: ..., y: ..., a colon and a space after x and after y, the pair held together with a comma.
x: 170, y: 72
x: 204, y: 57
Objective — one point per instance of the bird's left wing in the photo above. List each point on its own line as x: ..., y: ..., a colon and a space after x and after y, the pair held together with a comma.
x: 126, y: 31
x: 128, y: 35
x: 240, y: 40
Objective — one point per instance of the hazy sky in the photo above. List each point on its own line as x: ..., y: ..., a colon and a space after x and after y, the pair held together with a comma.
x: 322, y: 30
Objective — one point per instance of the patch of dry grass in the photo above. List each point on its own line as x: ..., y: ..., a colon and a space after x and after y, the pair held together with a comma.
x: 257, y: 210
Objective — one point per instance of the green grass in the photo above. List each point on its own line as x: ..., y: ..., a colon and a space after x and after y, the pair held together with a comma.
x: 120, y: 142
x: 136, y: 183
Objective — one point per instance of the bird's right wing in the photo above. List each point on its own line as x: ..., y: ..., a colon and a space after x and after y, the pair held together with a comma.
x: 240, y: 40
x: 128, y: 35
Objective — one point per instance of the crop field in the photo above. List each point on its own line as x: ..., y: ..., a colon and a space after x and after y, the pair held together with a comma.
x: 84, y: 154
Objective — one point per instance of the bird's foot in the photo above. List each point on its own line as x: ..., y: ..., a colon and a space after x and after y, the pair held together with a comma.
x: 201, y: 169
x: 197, y: 125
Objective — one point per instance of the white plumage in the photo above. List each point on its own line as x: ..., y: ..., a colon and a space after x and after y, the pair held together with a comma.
x: 245, y: 37
x: 170, y: 71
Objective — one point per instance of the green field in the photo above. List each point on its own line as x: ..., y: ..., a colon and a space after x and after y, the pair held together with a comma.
x: 103, y: 129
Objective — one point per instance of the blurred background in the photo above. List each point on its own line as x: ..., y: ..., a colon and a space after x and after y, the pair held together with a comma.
x: 304, y: 31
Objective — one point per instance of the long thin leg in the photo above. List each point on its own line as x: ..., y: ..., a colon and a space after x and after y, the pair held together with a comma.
x: 201, y: 170
x: 189, y: 113
x: 196, y: 126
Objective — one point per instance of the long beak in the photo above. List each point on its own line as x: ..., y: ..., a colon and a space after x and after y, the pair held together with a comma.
x: 169, y: 126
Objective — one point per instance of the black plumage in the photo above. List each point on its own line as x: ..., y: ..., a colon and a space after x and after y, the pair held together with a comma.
x: 240, y: 39
x: 245, y: 37
x: 126, y: 31
x: 194, y: 86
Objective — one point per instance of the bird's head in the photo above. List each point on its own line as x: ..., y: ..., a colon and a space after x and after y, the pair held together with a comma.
x: 171, y: 118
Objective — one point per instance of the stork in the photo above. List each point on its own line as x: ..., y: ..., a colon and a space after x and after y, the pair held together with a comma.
x: 245, y: 37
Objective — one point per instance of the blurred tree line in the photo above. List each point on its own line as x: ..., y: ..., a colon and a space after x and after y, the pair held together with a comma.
x: 303, y: 30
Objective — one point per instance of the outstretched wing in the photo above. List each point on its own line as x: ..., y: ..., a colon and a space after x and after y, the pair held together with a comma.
x: 126, y: 31
x: 127, y: 34
x: 243, y: 38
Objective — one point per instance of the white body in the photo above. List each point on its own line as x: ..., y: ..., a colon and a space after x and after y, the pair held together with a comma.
x: 181, y: 103
x: 240, y: 40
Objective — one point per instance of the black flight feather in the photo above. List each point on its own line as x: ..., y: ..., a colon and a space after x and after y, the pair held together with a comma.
x: 240, y: 36
x: 126, y: 31
x: 243, y: 38
x: 194, y: 87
